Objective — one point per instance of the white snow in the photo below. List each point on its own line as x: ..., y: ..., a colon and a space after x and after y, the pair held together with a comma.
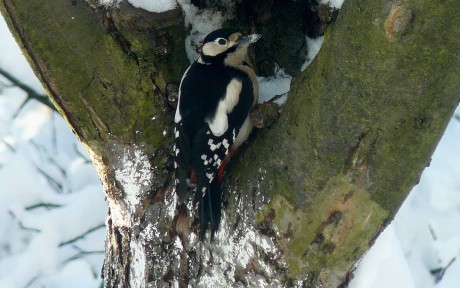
x: 201, y: 22
x: 314, y: 45
x: 278, y: 84
x: 51, y: 201
x: 386, y: 254
x: 76, y: 274
x: 334, y: 3
x: 156, y: 6
x: 134, y: 175
x: 237, y: 249
x: 137, y: 268
x: 426, y: 229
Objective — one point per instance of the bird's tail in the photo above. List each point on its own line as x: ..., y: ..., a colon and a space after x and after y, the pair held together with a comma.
x: 210, y: 210
x: 181, y: 184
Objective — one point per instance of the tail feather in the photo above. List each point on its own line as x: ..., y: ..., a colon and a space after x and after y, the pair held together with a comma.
x: 181, y: 185
x: 210, y: 210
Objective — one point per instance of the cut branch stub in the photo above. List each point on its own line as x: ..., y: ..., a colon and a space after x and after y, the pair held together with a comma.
x: 399, y: 22
x: 264, y: 115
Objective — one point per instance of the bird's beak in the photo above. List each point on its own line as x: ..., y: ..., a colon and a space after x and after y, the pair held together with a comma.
x: 249, y: 39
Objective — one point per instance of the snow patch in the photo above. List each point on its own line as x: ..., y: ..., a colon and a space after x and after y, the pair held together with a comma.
x: 137, y: 266
x: 202, y: 22
x: 118, y: 214
x: 133, y: 172
x: 150, y: 232
x: 171, y: 204
x: 314, y: 45
x: 423, y: 228
x: 75, y: 274
x: 337, y: 4
x: 236, y: 250
x: 157, y: 6
x: 278, y: 84
x: 386, y: 252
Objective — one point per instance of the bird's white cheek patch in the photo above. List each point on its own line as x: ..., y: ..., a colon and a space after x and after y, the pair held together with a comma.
x: 219, y: 123
x: 212, y: 49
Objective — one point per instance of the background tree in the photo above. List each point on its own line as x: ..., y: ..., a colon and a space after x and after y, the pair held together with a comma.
x: 308, y: 196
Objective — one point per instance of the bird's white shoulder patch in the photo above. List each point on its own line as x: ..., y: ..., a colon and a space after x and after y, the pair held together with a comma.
x: 219, y: 123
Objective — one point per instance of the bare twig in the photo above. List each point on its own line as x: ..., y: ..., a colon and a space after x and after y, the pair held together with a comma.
x: 86, y: 160
x: 53, y: 183
x: 48, y: 206
x: 5, y: 85
x: 31, y: 93
x: 439, y: 273
x: 9, y: 146
x: 82, y: 235
x: 31, y: 282
x: 21, y: 225
x: 82, y: 254
x: 433, y: 234
x: 49, y: 157
x: 276, y: 97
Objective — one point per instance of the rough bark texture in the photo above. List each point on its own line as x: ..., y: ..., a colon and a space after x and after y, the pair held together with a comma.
x: 308, y: 196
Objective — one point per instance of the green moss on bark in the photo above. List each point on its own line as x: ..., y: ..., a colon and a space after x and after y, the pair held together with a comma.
x: 361, y: 81
x: 333, y: 231
x: 103, y: 92
x: 364, y: 117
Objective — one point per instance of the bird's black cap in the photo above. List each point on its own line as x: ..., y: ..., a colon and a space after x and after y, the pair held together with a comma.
x: 220, y: 33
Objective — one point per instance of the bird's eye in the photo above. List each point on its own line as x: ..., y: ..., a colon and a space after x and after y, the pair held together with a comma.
x: 222, y: 41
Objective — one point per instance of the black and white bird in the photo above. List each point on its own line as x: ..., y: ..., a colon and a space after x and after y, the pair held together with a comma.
x: 212, y: 119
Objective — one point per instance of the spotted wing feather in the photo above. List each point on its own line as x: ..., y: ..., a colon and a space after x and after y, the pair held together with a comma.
x: 182, y: 160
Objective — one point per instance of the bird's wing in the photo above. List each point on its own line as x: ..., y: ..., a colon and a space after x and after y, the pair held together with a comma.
x: 182, y: 159
x: 209, y: 151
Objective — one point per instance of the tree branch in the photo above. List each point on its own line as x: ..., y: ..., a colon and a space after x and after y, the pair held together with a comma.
x: 31, y: 93
x: 82, y: 235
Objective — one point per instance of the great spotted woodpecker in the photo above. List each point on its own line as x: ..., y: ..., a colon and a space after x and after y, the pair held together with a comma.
x: 212, y: 119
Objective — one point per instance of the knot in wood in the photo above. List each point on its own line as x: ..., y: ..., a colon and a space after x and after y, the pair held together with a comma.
x: 264, y: 115
x: 172, y: 94
x: 399, y: 23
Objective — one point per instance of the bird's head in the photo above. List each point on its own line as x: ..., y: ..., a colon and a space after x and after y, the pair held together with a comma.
x: 226, y: 46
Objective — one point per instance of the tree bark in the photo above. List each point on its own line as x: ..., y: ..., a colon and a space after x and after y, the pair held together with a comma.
x: 307, y: 197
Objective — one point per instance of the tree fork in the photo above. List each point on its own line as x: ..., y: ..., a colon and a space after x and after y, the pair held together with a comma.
x: 308, y: 195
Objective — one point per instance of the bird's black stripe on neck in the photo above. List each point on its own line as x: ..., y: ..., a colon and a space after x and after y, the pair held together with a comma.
x: 219, y: 58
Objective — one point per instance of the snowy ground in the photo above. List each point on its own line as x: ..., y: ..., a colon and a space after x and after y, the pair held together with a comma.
x: 424, y: 238
x: 52, y: 206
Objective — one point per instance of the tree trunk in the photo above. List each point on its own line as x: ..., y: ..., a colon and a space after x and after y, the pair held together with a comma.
x: 307, y: 197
